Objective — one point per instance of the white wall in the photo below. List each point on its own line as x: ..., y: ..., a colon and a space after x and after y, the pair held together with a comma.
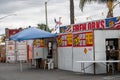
x: 79, y: 55
x: 65, y: 58
x: 10, y: 58
x: 100, y: 50
x: 45, y: 52
x: 38, y: 53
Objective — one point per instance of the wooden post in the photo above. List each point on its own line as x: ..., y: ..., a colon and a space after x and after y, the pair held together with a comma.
x: 119, y: 54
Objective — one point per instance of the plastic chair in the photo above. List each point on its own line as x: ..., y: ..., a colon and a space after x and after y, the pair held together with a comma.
x: 49, y: 63
x: 45, y: 63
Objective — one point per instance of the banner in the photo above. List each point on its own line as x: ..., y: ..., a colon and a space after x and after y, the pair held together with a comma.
x: 82, y: 39
x: 64, y: 40
x: 69, y: 39
x: 97, y: 24
x: 110, y: 22
x: 65, y: 29
x: 38, y: 43
x: 89, y: 39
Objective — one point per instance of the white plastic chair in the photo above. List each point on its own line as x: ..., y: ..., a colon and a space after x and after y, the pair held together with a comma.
x: 45, y: 63
x: 50, y: 64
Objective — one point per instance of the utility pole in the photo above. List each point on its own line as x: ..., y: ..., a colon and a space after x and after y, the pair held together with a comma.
x: 46, y: 27
x: 72, y: 12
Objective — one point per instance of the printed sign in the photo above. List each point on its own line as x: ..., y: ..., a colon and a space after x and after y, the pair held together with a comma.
x: 38, y: 43
x: 76, y: 40
x: 69, y: 39
x: 59, y: 40
x: 64, y: 40
x: 89, y: 39
x: 66, y: 29
x: 111, y: 22
x: 88, y: 26
x: 82, y: 39
x: 10, y: 32
x: 98, y: 24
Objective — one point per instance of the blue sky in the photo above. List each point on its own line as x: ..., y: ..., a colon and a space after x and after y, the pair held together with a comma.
x: 32, y: 12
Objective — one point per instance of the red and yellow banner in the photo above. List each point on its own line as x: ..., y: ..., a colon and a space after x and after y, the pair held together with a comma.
x: 82, y: 39
x: 79, y: 39
x: 64, y: 40
x: 69, y: 39
x: 59, y: 40
x: 89, y: 39
x: 38, y: 43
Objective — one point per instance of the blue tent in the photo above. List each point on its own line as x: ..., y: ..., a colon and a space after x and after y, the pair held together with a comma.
x: 31, y: 33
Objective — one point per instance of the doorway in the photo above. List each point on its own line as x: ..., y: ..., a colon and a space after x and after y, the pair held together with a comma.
x: 52, y: 51
x: 112, y: 52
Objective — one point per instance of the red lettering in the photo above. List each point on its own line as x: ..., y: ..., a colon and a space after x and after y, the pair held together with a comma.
x: 75, y: 28
x: 97, y: 24
x: 93, y: 25
x: 82, y: 27
x: 102, y: 24
x: 89, y: 26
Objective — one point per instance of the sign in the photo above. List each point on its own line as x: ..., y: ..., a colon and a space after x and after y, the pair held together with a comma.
x: 62, y: 29
x: 64, y: 40
x: 85, y: 51
x: 59, y: 40
x: 110, y: 22
x: 76, y: 39
x: 10, y: 32
x: 88, y: 26
x: 38, y: 43
x: 41, y: 43
x: 21, y: 48
x: 69, y: 39
x: 98, y: 24
x: 82, y: 39
x: 89, y: 39
x: 10, y: 47
x: 66, y: 29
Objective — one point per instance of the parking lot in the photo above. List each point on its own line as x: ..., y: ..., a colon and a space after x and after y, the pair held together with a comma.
x: 12, y: 72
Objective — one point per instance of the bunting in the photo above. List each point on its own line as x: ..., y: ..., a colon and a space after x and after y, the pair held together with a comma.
x: 57, y: 23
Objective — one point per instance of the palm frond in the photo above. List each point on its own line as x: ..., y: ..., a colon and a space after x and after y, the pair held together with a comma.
x: 82, y: 3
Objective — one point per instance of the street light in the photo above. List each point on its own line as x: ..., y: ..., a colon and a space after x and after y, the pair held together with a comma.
x: 7, y: 16
x: 110, y: 9
x: 46, y: 18
x: 116, y: 5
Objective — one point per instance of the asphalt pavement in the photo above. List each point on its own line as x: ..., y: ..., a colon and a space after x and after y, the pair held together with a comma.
x: 12, y: 72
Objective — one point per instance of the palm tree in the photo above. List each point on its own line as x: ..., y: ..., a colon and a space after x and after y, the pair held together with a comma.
x: 3, y: 37
x: 71, y: 11
x: 109, y: 4
x: 43, y: 27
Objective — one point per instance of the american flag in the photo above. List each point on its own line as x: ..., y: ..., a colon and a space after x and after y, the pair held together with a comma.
x: 57, y: 22
x: 68, y: 28
x: 117, y: 25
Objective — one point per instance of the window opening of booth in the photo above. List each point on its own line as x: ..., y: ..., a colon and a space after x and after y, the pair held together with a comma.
x: 112, y: 53
x: 49, y: 50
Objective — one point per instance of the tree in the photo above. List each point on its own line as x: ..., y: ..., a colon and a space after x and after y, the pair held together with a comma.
x: 109, y: 4
x: 2, y: 39
x: 43, y: 27
x: 71, y: 12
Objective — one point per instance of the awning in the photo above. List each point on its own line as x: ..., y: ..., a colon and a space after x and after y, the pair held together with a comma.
x: 31, y: 33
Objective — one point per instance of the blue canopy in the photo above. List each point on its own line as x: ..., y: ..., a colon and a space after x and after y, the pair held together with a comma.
x: 31, y: 33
